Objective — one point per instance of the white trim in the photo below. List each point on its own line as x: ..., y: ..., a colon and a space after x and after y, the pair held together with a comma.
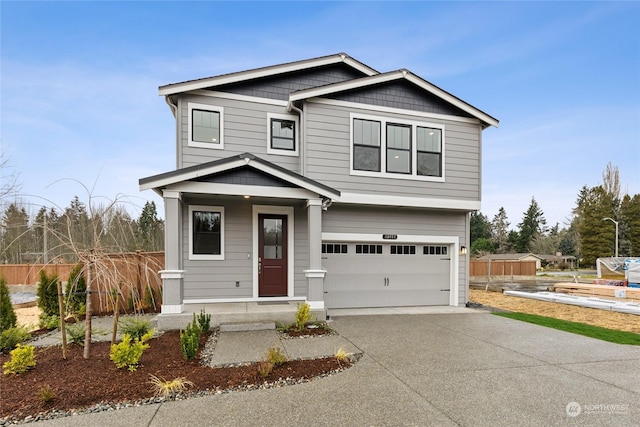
x: 237, y: 97
x: 171, y: 274
x: 381, y: 109
x: 276, y: 210
x: 243, y: 190
x: 406, y: 201
x: 200, y: 257
x: 296, y: 135
x: 213, y: 145
x: 315, y: 274
x: 171, y: 194
x: 316, y: 305
x: 171, y: 308
x: 452, y: 241
x: 384, y: 121
x: 264, y: 72
x: 246, y: 299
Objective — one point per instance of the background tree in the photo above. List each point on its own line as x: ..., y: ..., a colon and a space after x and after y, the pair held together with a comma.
x: 630, y: 224
x: 500, y: 232
x: 480, y: 227
x: 14, y: 229
x: 533, y: 225
x: 150, y: 229
x: 597, y: 237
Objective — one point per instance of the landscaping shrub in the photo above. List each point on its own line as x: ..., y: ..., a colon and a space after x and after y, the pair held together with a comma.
x: 76, y: 291
x: 46, y: 394
x: 128, y: 353
x: 204, y: 320
x: 303, y: 316
x: 10, y: 338
x: 136, y: 327
x: 8, y: 317
x: 264, y: 368
x: 166, y: 388
x: 76, y: 333
x: 275, y: 356
x: 22, y: 358
x: 190, y: 339
x: 49, y: 321
x: 48, y: 293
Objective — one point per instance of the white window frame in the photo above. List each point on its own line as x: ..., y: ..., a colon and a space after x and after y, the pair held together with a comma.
x: 383, y: 148
x: 204, y: 257
x: 296, y: 134
x: 214, y: 109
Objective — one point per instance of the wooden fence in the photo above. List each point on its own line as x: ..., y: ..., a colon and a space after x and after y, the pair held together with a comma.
x: 134, y: 275
x: 480, y: 268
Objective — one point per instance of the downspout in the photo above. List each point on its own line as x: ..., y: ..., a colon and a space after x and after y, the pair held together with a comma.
x: 301, y: 148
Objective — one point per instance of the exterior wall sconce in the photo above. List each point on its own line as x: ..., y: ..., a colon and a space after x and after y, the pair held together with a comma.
x: 463, y: 250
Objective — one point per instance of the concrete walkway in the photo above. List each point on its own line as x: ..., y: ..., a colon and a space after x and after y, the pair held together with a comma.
x: 466, y: 369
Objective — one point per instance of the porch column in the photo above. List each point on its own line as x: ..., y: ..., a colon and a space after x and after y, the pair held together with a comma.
x: 172, y: 276
x: 315, y: 273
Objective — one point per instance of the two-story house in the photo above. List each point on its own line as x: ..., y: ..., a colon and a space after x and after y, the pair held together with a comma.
x: 321, y: 180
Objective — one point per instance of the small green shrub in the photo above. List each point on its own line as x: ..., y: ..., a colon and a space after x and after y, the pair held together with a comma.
x: 22, y: 358
x: 190, y: 340
x: 8, y: 317
x: 49, y: 321
x: 204, y: 320
x: 303, y: 316
x: 136, y: 327
x: 46, y: 394
x: 275, y: 356
x: 10, y: 338
x: 76, y: 291
x: 127, y: 353
x: 264, y: 368
x: 48, y: 293
x: 76, y: 333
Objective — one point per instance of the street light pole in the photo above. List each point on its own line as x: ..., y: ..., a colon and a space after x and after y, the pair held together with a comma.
x: 616, y: 223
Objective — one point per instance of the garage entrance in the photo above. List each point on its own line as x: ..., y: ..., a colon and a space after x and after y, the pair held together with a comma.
x: 386, y: 275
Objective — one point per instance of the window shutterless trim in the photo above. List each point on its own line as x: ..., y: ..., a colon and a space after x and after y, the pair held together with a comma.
x: 296, y: 134
x: 206, y: 257
x: 191, y: 106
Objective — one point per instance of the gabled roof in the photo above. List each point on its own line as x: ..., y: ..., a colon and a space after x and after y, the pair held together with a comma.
x: 516, y: 256
x: 242, y: 160
x: 272, y: 70
x: 401, y: 74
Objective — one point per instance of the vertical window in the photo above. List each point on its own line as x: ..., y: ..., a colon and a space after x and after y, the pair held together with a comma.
x: 366, y: 145
x: 205, y: 126
x: 283, y: 134
x: 398, y: 148
x: 429, y: 144
x: 206, y: 238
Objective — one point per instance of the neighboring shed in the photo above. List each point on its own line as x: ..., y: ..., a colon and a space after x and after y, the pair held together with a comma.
x: 515, y: 257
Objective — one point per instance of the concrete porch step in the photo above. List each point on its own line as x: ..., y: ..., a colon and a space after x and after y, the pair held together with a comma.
x: 243, y: 327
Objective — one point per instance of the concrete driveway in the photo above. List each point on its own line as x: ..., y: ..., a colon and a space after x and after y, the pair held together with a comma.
x: 472, y: 369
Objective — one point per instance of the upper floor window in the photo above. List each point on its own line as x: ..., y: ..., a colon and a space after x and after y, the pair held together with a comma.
x: 282, y: 136
x: 205, y: 126
x: 403, y: 150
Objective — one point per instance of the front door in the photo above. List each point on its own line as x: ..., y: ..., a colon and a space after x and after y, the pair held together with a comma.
x: 272, y: 255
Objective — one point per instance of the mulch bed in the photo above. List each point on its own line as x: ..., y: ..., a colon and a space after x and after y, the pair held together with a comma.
x: 80, y: 383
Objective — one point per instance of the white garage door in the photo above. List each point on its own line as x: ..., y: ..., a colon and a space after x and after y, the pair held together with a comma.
x: 386, y: 275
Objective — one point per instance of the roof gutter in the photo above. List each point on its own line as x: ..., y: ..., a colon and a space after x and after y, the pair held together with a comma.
x: 303, y: 162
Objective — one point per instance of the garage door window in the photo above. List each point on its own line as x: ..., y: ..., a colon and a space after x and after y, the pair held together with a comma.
x: 334, y: 248
x: 403, y: 250
x: 434, y: 250
x: 369, y: 249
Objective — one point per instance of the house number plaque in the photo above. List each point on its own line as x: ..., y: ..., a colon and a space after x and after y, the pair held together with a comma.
x: 390, y: 236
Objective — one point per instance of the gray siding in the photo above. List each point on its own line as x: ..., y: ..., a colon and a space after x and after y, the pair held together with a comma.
x: 379, y: 220
x: 245, y: 131
x: 216, y: 279
x: 279, y: 87
x: 328, y: 156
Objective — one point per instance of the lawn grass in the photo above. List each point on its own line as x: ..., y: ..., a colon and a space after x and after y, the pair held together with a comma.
x: 610, y: 335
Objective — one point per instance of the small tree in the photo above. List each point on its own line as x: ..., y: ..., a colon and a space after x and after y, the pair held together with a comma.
x: 76, y: 290
x: 48, y: 294
x: 8, y: 317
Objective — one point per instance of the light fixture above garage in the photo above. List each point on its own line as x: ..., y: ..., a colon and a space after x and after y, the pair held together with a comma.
x: 246, y: 197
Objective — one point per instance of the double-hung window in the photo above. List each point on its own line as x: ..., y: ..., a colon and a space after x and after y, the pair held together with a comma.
x: 206, y: 233
x: 282, y: 134
x: 396, y: 148
x: 205, y: 124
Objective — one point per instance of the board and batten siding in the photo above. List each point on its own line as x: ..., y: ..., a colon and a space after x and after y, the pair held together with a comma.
x: 328, y: 130
x: 245, y: 131
x: 401, y: 221
x: 217, y: 279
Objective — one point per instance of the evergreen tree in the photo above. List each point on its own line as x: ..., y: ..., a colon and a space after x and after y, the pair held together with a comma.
x: 500, y: 232
x: 8, y: 317
x: 533, y: 225
x: 150, y: 229
x: 15, y: 234
x: 597, y: 237
x: 480, y: 227
x: 630, y: 225
x: 48, y: 293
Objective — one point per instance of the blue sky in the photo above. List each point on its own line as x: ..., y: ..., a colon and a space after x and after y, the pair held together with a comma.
x: 80, y: 105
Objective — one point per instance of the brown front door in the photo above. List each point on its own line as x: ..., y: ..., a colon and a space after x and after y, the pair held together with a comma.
x: 272, y: 255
